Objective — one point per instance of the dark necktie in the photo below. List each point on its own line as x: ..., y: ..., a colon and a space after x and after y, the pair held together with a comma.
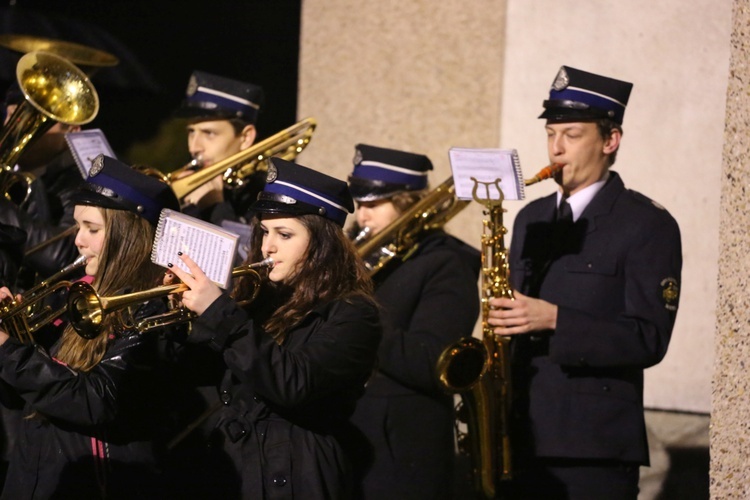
x: 564, y: 211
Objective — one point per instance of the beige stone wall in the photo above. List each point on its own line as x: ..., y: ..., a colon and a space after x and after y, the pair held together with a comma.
x: 419, y: 76
x: 730, y: 432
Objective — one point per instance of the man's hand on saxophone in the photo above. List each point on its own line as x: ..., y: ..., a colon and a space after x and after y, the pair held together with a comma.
x: 521, y: 315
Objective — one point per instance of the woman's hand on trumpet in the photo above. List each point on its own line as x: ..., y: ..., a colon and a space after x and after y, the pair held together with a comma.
x: 202, y: 291
x: 521, y: 315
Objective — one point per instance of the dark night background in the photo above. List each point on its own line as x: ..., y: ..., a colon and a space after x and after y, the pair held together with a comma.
x: 251, y: 40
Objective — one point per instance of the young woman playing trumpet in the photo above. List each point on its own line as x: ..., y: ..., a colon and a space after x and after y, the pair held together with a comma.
x: 298, y: 357
x: 86, y: 403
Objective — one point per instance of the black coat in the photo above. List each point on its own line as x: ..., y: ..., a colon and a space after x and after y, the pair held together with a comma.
x: 614, y: 276
x: 429, y: 301
x: 91, y: 435
x: 48, y: 212
x: 286, y: 405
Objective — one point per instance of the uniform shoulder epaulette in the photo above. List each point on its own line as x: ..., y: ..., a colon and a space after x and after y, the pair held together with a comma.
x: 645, y: 199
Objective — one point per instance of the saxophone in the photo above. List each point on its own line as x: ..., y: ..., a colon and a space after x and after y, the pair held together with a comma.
x: 479, y: 370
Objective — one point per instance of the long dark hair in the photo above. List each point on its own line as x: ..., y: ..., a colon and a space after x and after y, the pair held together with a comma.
x: 331, y: 269
x: 124, y: 266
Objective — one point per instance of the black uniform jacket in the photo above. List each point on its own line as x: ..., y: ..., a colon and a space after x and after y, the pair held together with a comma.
x: 429, y: 301
x: 48, y: 212
x: 90, y: 436
x: 614, y: 275
x: 286, y: 404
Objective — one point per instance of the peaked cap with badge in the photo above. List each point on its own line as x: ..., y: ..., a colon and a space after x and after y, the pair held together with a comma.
x: 380, y: 172
x: 217, y: 97
x: 113, y: 184
x: 577, y: 95
x: 297, y: 190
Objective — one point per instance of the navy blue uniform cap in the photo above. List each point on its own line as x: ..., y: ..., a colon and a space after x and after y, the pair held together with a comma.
x: 380, y: 172
x: 113, y: 184
x: 297, y: 190
x: 221, y: 98
x: 577, y: 95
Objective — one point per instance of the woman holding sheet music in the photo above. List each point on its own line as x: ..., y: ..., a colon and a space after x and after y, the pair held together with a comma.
x: 298, y: 357
x: 87, y: 404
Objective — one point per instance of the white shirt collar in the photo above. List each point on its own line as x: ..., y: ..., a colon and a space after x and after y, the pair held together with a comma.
x: 580, y: 200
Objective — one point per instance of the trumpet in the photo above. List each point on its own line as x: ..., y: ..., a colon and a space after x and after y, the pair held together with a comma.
x: 286, y: 144
x: 22, y: 318
x: 87, y: 308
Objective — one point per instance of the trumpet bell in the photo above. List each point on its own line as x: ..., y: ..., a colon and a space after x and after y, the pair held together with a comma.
x: 85, y: 309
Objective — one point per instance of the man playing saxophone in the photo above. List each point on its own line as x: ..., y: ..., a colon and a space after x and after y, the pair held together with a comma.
x: 429, y: 300
x: 595, y: 270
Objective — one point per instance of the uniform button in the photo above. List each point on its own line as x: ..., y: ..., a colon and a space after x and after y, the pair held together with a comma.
x: 279, y: 481
x: 605, y: 388
x: 256, y: 399
x: 226, y: 398
x: 589, y: 265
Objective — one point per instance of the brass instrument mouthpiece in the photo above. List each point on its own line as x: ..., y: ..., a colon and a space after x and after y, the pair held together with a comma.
x: 362, y: 235
x: 546, y: 173
x: 267, y: 262
x: 195, y: 164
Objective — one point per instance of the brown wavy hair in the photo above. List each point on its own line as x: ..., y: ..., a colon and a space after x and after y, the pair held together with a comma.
x: 124, y: 266
x: 331, y: 269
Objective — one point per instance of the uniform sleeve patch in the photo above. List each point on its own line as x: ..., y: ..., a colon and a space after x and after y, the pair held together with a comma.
x: 670, y: 293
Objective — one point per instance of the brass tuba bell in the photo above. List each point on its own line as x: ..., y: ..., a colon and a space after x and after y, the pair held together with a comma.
x: 55, y: 90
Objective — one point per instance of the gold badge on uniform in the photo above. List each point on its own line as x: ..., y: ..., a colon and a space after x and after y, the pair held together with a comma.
x: 670, y: 292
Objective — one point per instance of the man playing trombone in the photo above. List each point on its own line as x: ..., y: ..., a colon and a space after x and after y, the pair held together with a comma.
x: 221, y: 114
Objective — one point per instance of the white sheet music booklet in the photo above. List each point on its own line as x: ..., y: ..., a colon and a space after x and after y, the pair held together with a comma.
x: 210, y: 246
x: 486, y: 166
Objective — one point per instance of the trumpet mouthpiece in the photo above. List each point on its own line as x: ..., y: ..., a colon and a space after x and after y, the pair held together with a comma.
x: 267, y: 262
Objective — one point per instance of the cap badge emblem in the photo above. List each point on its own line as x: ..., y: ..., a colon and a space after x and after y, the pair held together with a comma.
x: 97, y: 164
x: 562, y: 80
x: 357, y: 157
x: 192, y: 87
x: 272, y: 173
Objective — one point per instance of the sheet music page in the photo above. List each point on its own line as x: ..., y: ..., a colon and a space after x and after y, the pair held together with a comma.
x: 486, y: 165
x: 210, y: 246
x: 87, y: 145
